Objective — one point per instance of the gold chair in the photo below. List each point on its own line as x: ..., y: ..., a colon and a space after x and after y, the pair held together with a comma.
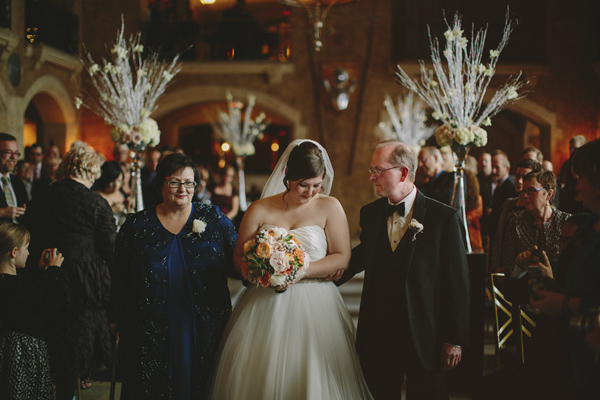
x: 509, y: 319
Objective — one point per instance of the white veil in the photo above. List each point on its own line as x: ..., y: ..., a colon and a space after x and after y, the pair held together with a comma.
x: 275, y: 183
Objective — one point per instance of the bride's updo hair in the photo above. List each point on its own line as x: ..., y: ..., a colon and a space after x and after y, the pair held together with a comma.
x: 305, y: 162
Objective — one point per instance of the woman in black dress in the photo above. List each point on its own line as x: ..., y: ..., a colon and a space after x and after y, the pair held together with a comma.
x: 84, y: 229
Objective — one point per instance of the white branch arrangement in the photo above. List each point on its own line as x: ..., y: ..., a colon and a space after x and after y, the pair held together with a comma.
x: 456, y: 94
x: 240, y: 133
x: 407, y: 121
x: 126, y: 89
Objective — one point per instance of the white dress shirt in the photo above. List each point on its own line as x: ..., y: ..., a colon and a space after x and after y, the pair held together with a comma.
x: 397, y: 224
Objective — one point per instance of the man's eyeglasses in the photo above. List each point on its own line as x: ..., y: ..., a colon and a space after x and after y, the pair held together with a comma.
x: 529, y: 191
x: 177, y: 184
x: 378, y: 171
x: 11, y: 153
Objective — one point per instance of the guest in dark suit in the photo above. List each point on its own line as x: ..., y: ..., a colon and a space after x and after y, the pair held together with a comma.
x: 151, y: 195
x: 13, y: 196
x: 503, y: 187
x: 440, y: 185
x: 414, y: 313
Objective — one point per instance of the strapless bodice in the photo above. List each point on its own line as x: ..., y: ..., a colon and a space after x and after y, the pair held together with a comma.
x: 311, y: 237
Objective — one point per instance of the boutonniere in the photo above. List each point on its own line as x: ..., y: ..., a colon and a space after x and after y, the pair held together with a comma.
x: 198, y: 226
x: 416, y: 227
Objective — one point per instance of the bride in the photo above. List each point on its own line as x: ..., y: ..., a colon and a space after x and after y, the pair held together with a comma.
x: 298, y: 344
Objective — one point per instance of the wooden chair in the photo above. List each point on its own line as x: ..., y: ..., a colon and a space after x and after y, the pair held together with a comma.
x: 510, y: 320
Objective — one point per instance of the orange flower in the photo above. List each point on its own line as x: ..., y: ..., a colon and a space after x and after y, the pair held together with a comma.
x: 264, y: 280
x: 300, y: 254
x: 263, y: 250
x: 248, y: 245
x: 245, y: 269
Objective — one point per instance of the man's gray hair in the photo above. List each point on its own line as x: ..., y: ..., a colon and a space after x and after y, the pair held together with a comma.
x: 403, y: 156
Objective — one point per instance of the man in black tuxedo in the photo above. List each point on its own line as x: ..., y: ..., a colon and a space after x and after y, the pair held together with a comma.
x: 414, y: 312
x: 440, y: 185
x: 503, y: 187
x: 13, y: 195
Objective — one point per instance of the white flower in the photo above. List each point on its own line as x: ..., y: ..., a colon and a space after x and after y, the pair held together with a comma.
x: 481, y: 68
x: 78, y: 103
x: 436, y: 115
x: 167, y: 76
x: 462, y: 42
x: 487, y: 122
x: 463, y: 136
x: 449, y: 34
x: 279, y: 262
x: 198, y: 226
x: 279, y: 232
x: 138, y: 49
x: 141, y: 72
x: 93, y: 69
x: 512, y: 93
x: 481, y: 138
x: 444, y: 135
x: 494, y: 53
x: 433, y: 84
x: 416, y: 227
x: 278, y: 279
x: 150, y: 134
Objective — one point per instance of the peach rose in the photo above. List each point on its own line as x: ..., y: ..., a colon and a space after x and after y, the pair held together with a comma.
x: 248, y: 245
x: 263, y: 250
x: 264, y: 280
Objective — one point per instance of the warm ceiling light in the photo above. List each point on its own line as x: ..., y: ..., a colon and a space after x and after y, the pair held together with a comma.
x: 207, y: 1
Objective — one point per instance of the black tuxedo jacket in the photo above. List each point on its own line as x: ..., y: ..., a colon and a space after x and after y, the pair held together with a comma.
x: 20, y: 193
x: 436, y: 283
x: 502, y: 192
x: 440, y: 188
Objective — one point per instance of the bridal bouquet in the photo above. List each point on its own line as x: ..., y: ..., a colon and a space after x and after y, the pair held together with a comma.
x: 273, y: 257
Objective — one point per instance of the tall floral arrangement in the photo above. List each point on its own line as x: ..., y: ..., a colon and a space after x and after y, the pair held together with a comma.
x: 240, y: 131
x: 124, y: 89
x: 455, y: 93
x: 407, y: 121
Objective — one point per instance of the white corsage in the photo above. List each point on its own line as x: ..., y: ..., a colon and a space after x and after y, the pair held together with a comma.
x: 416, y: 227
x: 198, y: 226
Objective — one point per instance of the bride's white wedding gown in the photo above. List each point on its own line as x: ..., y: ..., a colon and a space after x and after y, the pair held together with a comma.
x: 293, y: 345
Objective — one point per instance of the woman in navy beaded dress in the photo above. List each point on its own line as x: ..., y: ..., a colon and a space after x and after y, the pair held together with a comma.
x: 171, y: 300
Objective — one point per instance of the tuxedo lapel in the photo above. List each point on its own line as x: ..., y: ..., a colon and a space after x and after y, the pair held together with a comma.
x: 419, y: 211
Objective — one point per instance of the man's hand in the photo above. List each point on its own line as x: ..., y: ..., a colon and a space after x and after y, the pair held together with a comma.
x: 12, y: 212
x: 451, y: 356
x: 335, y: 276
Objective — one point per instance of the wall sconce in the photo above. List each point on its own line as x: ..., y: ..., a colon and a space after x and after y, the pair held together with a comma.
x: 340, y: 82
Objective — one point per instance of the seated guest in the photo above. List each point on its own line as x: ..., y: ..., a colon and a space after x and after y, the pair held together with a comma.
x: 440, y: 185
x: 510, y: 209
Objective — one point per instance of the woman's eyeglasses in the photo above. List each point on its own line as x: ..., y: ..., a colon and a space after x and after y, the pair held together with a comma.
x: 177, y: 184
x: 529, y: 191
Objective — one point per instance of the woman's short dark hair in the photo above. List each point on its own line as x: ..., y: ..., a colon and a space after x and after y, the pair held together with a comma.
x: 111, y: 170
x: 585, y: 161
x: 305, y: 162
x: 546, y: 178
x: 173, y: 163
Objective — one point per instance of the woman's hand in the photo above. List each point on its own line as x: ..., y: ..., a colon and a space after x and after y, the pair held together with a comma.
x: 544, y: 266
x: 50, y: 257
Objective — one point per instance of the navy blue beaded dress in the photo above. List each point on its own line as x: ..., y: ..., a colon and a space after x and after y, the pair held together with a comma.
x: 171, y: 300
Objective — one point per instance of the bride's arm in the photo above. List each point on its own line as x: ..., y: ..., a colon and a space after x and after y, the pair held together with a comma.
x: 248, y: 229
x: 338, y: 239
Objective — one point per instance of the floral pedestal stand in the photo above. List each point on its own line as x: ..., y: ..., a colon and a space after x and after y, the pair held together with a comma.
x: 135, y: 153
x: 459, y: 195
x: 241, y: 162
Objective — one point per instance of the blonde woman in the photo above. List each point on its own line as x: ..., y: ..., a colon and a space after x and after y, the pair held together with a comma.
x: 73, y: 218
